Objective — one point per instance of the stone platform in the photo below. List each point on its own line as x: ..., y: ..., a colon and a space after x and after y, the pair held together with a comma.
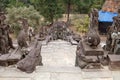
x: 59, y: 60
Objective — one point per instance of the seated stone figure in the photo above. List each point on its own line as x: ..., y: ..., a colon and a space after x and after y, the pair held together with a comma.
x: 22, y: 38
x: 9, y: 42
x: 3, y: 49
x: 29, y: 63
x: 89, y: 53
x: 92, y: 39
x: 5, y: 39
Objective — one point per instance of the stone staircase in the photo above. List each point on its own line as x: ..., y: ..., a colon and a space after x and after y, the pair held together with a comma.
x: 58, y: 64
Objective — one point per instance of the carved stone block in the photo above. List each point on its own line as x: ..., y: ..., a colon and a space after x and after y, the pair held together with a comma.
x: 58, y: 30
x: 87, y: 57
x: 117, y: 49
x: 114, y: 62
x: 88, y: 51
x: 33, y: 59
x: 10, y: 58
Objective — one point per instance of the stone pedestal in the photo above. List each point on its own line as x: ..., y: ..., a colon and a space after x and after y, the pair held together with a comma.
x: 114, y: 62
x: 9, y: 59
x: 88, y: 51
x: 89, y: 58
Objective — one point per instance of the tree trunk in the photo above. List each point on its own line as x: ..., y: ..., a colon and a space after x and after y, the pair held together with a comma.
x: 52, y: 18
x: 68, y: 10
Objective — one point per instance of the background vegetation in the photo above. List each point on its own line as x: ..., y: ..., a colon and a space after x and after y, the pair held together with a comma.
x: 15, y: 13
x: 47, y: 10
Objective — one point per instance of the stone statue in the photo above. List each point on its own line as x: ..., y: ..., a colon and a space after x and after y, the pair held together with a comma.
x: 94, y: 18
x: 24, y: 33
x: 60, y: 30
x: 113, y: 34
x: 5, y: 39
x: 33, y: 59
x: 30, y: 33
x: 22, y: 39
x: 89, y: 53
x: 24, y: 23
x: 113, y: 44
x: 43, y: 31
x: 3, y: 49
x: 92, y: 37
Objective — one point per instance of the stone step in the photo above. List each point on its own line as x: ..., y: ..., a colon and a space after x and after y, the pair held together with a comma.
x: 57, y: 69
x: 42, y: 73
x: 55, y: 73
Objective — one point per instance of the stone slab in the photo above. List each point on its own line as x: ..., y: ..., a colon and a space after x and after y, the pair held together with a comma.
x: 58, y: 53
x: 15, y: 78
x: 58, y: 69
x: 116, y: 75
x: 14, y: 72
x: 65, y: 76
x: 114, y: 58
x: 90, y: 51
x: 42, y: 76
x: 97, y: 74
x: 100, y: 79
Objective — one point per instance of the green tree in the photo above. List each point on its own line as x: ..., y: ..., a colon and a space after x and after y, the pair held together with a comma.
x: 15, y: 3
x: 50, y: 9
x: 97, y: 4
x: 84, y: 6
x: 29, y: 13
x: 68, y: 4
x: 81, y: 23
x: 3, y: 4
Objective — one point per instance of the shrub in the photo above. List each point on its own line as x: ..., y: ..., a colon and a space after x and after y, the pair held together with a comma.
x: 15, y: 13
x: 81, y: 24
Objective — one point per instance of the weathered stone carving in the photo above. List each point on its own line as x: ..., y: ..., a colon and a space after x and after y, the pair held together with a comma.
x: 23, y: 34
x: 24, y: 23
x: 113, y: 36
x: 114, y: 62
x: 113, y: 44
x: 87, y: 57
x: 31, y: 33
x: 59, y: 30
x: 89, y: 53
x: 11, y: 58
x: 33, y: 59
x: 94, y: 18
x: 22, y: 39
x: 6, y: 57
x: 43, y: 32
x: 27, y: 62
x: 5, y: 40
x: 92, y: 38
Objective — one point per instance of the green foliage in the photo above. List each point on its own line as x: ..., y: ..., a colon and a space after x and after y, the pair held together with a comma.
x: 50, y: 9
x: 15, y: 13
x: 18, y: 3
x: 81, y: 23
x: 15, y: 3
x: 3, y: 4
x: 11, y: 3
x: 84, y: 6
x: 97, y: 4
x: 81, y: 6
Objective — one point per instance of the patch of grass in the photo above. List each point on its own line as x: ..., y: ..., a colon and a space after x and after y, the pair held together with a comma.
x: 81, y: 23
